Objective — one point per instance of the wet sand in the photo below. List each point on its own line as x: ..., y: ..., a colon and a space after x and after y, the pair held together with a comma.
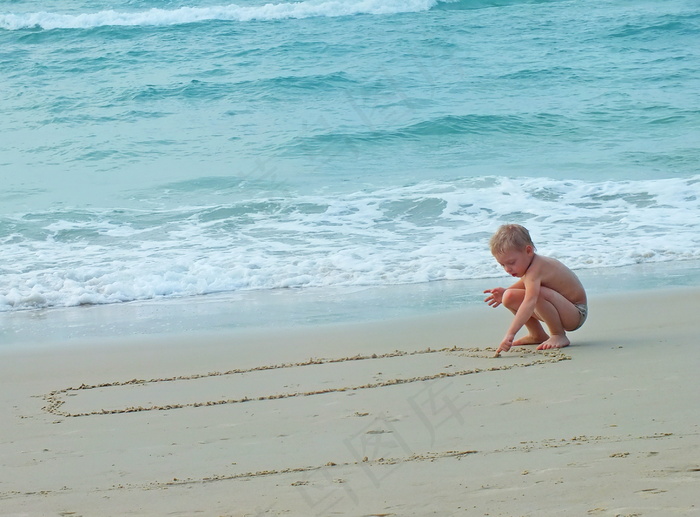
x: 402, y: 417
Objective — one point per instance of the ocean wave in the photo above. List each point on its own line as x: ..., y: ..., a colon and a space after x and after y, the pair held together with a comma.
x: 672, y: 23
x: 460, y: 5
x: 231, y: 12
x: 425, y: 232
x: 437, y: 128
x: 274, y: 88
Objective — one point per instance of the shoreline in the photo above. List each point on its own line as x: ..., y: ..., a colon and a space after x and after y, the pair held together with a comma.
x: 292, y: 422
x: 292, y: 308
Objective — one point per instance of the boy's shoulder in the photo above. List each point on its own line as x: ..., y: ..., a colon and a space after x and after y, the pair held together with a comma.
x: 548, y: 260
x: 552, y: 273
x: 548, y: 266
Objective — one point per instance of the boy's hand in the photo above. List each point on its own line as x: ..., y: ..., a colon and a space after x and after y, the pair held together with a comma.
x: 505, y: 344
x: 495, y: 297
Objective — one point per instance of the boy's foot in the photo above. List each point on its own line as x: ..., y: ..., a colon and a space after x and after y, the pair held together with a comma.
x: 555, y: 342
x: 531, y: 340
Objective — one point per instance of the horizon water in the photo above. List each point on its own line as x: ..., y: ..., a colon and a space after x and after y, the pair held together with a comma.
x: 318, y: 161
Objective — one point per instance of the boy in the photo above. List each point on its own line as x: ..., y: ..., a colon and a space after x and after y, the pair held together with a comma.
x: 547, y: 291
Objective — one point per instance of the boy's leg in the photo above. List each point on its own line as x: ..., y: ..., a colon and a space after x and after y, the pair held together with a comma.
x: 559, y: 314
x: 512, y: 299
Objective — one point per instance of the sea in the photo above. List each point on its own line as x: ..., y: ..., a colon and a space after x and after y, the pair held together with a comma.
x: 170, y: 164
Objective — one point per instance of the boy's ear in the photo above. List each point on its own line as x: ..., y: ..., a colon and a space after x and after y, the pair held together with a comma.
x: 529, y: 249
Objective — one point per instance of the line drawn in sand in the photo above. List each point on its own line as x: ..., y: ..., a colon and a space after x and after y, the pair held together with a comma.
x: 100, y: 395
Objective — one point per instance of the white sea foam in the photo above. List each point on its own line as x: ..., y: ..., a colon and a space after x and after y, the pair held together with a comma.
x: 421, y: 233
x: 231, y: 12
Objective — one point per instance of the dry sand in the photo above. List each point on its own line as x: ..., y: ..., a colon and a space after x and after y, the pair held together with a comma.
x: 333, y: 421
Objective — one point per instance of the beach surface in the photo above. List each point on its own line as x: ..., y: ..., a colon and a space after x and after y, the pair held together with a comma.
x: 408, y: 417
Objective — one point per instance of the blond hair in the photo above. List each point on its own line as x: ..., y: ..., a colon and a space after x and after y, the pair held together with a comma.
x: 510, y: 237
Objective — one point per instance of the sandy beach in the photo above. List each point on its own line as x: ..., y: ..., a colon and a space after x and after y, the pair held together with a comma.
x: 394, y: 418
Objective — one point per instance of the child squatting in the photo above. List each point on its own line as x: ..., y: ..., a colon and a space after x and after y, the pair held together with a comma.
x: 547, y: 291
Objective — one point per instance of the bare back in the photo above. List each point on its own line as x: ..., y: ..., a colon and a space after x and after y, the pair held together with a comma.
x: 556, y: 276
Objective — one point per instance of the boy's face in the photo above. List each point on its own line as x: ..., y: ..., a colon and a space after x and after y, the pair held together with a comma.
x: 516, y: 262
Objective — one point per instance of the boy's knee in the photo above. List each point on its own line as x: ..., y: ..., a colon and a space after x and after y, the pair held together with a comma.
x: 512, y: 298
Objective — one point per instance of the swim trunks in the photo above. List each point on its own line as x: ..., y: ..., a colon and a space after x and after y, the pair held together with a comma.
x: 583, y: 311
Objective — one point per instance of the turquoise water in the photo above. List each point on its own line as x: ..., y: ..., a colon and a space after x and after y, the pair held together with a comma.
x: 153, y: 150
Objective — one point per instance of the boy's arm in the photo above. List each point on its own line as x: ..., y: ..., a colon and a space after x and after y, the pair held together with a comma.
x: 525, y: 311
